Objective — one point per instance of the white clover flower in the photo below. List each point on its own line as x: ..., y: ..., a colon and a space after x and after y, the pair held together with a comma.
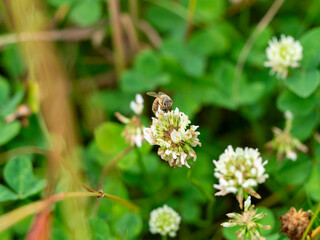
x: 165, y: 221
x: 239, y: 171
x: 133, y: 132
x: 288, y: 115
x: 137, y: 106
x: 250, y: 229
x: 169, y: 131
x: 283, y: 54
x: 176, y: 136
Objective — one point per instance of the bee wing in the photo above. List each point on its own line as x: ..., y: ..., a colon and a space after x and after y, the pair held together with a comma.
x: 152, y: 94
x: 162, y: 94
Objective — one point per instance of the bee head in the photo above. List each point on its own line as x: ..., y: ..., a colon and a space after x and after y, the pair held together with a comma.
x: 168, y: 104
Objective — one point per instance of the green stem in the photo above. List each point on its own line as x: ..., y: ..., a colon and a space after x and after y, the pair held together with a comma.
x: 311, y: 221
x: 140, y: 162
x: 199, y: 186
x: 249, y: 44
x: 164, y: 237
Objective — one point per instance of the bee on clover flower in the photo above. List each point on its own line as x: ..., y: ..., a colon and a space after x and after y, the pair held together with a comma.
x: 169, y: 130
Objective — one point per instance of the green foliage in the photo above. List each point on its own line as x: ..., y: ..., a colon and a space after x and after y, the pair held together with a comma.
x: 100, y: 229
x: 312, y: 186
x: 8, y: 131
x: 193, y: 56
x: 304, y: 84
x: 129, y: 225
x: 109, y: 139
x: 311, y: 49
x: 19, y: 176
x: 85, y: 12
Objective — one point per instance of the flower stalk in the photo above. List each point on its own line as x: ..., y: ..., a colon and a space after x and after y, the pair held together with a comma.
x: 284, y: 143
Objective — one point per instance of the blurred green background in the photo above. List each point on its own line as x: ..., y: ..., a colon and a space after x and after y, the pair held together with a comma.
x: 189, y: 50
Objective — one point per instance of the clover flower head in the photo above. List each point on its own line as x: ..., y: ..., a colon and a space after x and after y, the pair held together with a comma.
x: 165, y: 221
x: 169, y: 131
x: 137, y: 106
x: 294, y: 223
x: 239, y: 171
x: 250, y: 228
x: 133, y: 131
x: 284, y: 143
x: 283, y: 54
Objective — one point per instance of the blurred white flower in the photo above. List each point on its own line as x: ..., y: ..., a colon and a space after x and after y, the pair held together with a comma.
x: 284, y: 143
x: 168, y: 130
x: 283, y: 54
x: 250, y: 229
x: 133, y: 132
x: 239, y: 171
x: 165, y: 221
x: 288, y: 115
x: 137, y: 106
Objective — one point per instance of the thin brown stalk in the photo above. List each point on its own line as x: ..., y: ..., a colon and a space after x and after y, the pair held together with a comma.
x: 117, y: 40
x: 9, y: 219
x: 128, y: 27
x: 104, y: 173
x: 13, y: 153
x: 134, y: 11
x: 190, y: 17
x: 264, y: 22
x: 70, y: 34
x: 151, y: 33
x: 112, y: 163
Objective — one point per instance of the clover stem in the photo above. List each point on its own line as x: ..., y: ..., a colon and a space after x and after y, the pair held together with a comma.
x: 311, y: 222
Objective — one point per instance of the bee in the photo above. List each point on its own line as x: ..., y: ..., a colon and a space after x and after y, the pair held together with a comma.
x: 162, y: 100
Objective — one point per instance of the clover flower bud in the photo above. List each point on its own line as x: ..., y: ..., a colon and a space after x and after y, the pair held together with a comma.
x: 283, y: 54
x: 294, y: 223
x: 137, y: 106
x: 133, y: 131
x: 250, y: 228
x: 239, y: 171
x: 164, y: 221
x: 169, y: 131
x: 284, y: 143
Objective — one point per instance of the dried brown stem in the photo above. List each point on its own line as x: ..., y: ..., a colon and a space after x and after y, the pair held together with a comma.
x: 112, y: 163
x: 71, y: 34
x: 117, y: 40
x: 5, y: 156
x: 131, y: 33
x: 150, y: 33
x: 190, y: 17
x: 9, y: 219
